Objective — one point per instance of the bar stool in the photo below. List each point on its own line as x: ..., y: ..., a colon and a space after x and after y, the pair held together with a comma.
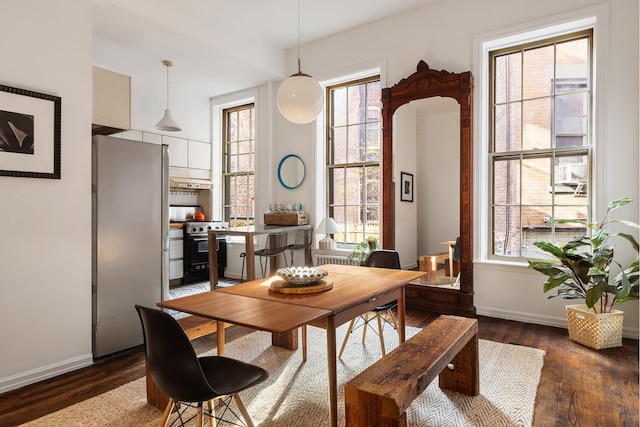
x: 275, y: 245
x: 303, y: 241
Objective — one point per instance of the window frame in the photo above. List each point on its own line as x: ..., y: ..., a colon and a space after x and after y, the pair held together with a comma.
x: 226, y: 207
x: 329, y: 166
x: 576, y: 28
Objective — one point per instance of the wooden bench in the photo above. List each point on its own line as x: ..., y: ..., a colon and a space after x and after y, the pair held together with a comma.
x: 429, y: 263
x: 195, y: 327
x: 381, y: 394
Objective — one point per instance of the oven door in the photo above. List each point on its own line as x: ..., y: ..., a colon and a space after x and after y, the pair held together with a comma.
x: 199, y: 249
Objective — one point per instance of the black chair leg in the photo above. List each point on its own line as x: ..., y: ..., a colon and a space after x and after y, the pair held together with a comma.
x: 243, y: 255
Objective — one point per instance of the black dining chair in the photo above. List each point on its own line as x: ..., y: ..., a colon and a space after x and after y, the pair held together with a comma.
x: 189, y: 380
x: 381, y: 258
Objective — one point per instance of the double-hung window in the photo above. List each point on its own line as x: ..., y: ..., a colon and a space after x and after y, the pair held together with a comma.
x: 239, y: 164
x: 353, y: 159
x: 540, y: 142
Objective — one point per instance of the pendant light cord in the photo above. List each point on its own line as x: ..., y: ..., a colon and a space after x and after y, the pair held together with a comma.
x: 167, y: 86
x: 299, y: 70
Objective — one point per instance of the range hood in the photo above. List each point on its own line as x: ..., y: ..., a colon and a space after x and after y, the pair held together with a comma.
x: 190, y: 183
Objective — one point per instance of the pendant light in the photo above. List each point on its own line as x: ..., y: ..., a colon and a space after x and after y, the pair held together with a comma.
x: 300, y: 97
x: 166, y: 122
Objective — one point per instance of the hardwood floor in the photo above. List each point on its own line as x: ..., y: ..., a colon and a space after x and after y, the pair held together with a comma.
x: 578, y: 387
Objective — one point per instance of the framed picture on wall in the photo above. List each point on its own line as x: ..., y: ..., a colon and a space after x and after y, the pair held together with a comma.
x: 29, y: 133
x: 406, y: 187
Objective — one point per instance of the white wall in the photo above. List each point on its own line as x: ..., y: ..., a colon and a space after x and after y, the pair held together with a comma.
x: 45, y: 224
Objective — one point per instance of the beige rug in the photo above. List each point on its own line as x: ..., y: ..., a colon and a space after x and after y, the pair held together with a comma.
x: 296, y: 393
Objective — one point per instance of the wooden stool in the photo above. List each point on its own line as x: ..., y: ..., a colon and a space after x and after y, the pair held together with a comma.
x: 429, y: 263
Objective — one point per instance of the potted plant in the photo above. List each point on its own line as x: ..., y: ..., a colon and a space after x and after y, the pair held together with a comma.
x: 582, y: 270
x: 363, y: 249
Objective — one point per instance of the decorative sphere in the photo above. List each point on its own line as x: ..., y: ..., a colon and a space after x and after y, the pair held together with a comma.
x: 300, y: 98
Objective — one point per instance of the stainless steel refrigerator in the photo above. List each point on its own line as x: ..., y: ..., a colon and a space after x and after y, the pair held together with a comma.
x: 130, y: 238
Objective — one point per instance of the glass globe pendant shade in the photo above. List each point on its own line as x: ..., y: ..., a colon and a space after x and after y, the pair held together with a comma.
x: 300, y: 98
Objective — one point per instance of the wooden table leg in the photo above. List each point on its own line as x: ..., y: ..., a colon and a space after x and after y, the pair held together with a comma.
x: 220, y: 336
x: 401, y: 316
x: 288, y: 340
x: 332, y: 371
x: 250, y: 259
x: 213, y: 261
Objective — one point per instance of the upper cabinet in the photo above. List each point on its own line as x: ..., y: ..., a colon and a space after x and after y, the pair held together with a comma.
x: 111, y: 102
x: 185, y: 153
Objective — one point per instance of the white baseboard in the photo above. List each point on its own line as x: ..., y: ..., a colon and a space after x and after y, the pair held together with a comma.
x: 555, y: 321
x: 33, y: 376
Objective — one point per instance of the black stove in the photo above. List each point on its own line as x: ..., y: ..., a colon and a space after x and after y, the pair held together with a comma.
x: 196, y: 250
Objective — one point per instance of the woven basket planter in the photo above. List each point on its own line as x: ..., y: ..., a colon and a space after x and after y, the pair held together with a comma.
x: 595, y: 330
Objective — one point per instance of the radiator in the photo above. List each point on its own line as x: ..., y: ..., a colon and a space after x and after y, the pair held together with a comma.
x: 319, y: 259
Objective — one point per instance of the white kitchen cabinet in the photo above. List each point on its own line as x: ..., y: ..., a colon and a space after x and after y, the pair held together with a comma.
x: 199, y: 155
x: 178, y: 151
x: 111, y: 99
x: 176, y: 269
x: 176, y: 253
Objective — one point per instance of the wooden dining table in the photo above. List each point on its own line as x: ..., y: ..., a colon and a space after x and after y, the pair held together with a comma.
x: 355, y: 291
x: 249, y: 232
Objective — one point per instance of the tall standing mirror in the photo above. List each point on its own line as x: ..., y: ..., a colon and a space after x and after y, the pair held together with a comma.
x: 423, y: 84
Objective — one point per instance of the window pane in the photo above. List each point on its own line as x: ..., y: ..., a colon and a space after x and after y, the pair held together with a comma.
x: 507, y: 127
x: 571, y: 117
x: 354, y: 186
x: 374, y: 101
x: 372, y: 184
x: 338, y: 146
x: 232, y: 126
x: 535, y: 229
x: 373, y: 142
x: 506, y: 181
x: 339, y: 107
x: 244, y: 122
x: 536, y: 181
x: 356, y: 104
x: 536, y: 133
x: 508, y: 78
x: 506, y: 231
x: 337, y: 186
x: 537, y: 72
x: 572, y: 62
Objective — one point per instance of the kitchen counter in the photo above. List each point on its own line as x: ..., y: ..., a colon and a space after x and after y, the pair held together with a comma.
x: 176, y: 225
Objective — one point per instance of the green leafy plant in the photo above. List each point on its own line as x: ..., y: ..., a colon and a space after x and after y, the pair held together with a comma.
x: 581, y: 269
x: 363, y: 249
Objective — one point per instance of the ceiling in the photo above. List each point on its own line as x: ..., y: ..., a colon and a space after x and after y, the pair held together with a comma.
x: 220, y: 46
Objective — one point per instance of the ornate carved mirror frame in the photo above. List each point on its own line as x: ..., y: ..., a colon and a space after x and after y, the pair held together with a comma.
x: 427, y: 83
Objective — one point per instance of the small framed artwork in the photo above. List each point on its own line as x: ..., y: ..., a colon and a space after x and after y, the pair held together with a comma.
x: 29, y: 133
x: 406, y: 187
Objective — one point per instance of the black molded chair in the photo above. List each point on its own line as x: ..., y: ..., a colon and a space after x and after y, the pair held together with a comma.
x: 303, y: 241
x: 189, y: 380
x: 381, y: 258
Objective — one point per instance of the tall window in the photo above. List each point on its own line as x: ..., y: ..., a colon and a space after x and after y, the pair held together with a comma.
x: 353, y: 159
x: 239, y: 164
x: 540, y: 142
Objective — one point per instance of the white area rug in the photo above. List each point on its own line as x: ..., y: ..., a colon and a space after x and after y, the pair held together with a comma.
x: 296, y: 393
